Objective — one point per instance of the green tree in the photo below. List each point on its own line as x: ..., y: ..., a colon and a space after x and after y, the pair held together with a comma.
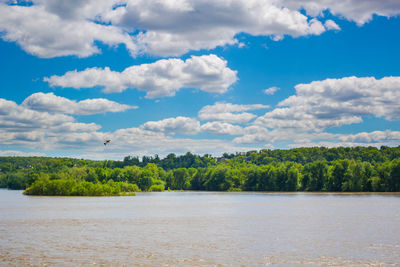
x: 179, y: 178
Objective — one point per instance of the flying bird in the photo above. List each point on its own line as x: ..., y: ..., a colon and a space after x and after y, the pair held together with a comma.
x: 106, y: 142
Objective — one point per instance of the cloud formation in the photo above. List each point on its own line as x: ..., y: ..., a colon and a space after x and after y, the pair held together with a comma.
x: 178, y: 125
x: 40, y: 130
x: 16, y: 153
x: 44, y: 33
x: 176, y: 27
x: 53, y: 28
x: 217, y: 127
x: 144, y: 142
x: 228, y: 112
x: 387, y: 136
x: 271, y: 90
x: 360, y: 11
x: 256, y: 134
x: 159, y: 79
x: 44, y: 131
x: 52, y: 103
x: 36, y: 129
x: 331, y: 25
x: 335, y: 102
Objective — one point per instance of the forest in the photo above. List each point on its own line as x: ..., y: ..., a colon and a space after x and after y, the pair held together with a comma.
x: 342, y: 169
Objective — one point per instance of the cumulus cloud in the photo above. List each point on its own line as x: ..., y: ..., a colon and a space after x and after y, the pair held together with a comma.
x: 335, y: 102
x: 23, y: 126
x: 36, y: 130
x: 16, y: 153
x: 166, y: 28
x: 387, y: 136
x: 261, y: 136
x: 139, y: 141
x: 52, y: 28
x: 161, y: 78
x: 143, y: 142
x: 228, y: 117
x: 331, y: 25
x: 302, y: 118
x: 176, y: 27
x: 228, y: 112
x: 52, y: 103
x: 360, y: 11
x: 43, y: 33
x: 42, y: 131
x: 271, y: 90
x: 178, y: 125
x: 217, y: 127
x: 255, y: 134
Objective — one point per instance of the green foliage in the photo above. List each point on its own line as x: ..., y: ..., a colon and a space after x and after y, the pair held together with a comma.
x: 219, y: 180
x: 71, y: 187
x: 315, y: 176
x: 179, y: 179
x: 358, y: 169
x: 156, y: 188
x: 394, y: 180
x: 234, y: 190
x: 16, y: 180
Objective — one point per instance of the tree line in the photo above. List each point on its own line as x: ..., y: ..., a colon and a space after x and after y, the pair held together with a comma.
x: 303, y: 169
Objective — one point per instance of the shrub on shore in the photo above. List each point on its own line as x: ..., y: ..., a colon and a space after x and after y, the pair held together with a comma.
x: 71, y: 187
x: 156, y: 188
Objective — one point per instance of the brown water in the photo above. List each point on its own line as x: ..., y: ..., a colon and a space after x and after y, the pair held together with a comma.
x: 200, y: 229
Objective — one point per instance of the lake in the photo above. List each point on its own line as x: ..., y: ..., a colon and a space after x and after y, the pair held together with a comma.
x: 201, y: 229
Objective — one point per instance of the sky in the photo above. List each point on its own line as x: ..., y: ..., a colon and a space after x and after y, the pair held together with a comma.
x: 200, y: 76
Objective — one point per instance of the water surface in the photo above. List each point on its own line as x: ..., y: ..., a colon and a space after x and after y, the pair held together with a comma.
x: 201, y: 229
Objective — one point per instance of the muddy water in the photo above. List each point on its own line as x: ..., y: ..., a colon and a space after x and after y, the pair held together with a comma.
x: 200, y: 229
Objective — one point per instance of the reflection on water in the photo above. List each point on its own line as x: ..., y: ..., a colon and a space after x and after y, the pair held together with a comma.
x: 200, y: 229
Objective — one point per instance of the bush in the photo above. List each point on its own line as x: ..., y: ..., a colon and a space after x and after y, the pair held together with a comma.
x: 71, y: 187
x: 235, y: 190
x: 156, y: 188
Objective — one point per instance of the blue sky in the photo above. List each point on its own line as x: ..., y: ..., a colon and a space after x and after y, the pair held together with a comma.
x: 158, y: 77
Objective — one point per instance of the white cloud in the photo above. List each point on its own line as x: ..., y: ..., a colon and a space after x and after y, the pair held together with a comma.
x: 167, y: 28
x: 253, y: 134
x: 178, y: 125
x: 138, y: 141
x: 149, y: 142
x: 360, y: 11
x: 22, y: 126
x: 302, y: 118
x: 228, y: 117
x: 16, y: 153
x: 176, y: 27
x: 45, y: 34
x: 217, y: 127
x: 161, y: 78
x: 222, y: 107
x: 387, y: 136
x: 271, y: 90
x: 258, y: 135
x: 52, y: 103
x: 331, y: 144
x: 13, y: 115
x: 335, y: 102
x: 228, y: 112
x: 331, y: 25
x: 51, y: 28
